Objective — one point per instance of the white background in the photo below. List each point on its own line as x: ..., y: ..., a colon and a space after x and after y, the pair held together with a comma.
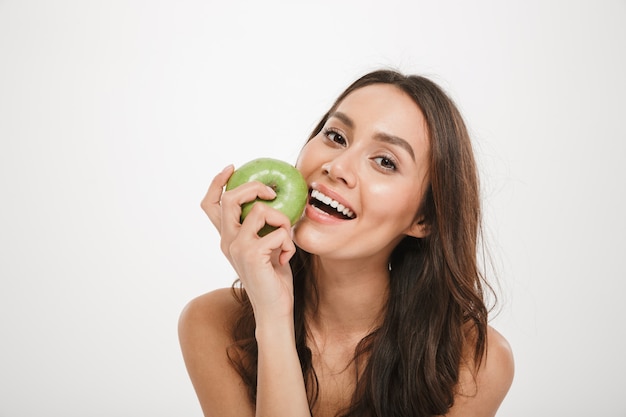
x: 115, y: 115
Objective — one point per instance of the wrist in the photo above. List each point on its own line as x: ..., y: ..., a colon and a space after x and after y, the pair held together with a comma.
x: 275, y: 330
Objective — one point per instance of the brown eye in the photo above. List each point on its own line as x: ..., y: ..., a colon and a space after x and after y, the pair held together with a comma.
x: 335, y: 137
x: 385, y: 163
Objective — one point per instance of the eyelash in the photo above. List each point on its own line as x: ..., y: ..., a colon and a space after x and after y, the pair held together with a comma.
x: 328, y: 132
x: 388, y: 160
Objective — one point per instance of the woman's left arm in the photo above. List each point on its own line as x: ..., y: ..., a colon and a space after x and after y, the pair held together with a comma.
x: 480, y: 394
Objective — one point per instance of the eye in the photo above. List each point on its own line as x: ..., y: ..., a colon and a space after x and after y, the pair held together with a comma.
x: 335, y: 137
x: 385, y: 162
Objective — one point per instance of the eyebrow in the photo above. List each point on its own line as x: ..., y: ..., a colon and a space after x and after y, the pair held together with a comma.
x: 381, y: 137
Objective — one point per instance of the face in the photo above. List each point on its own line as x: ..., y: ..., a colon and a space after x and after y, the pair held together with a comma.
x: 367, y: 172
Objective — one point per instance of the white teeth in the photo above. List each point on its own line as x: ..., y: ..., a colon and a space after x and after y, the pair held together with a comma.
x: 332, y: 203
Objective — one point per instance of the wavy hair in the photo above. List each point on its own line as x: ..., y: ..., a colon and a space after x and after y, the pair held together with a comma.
x: 435, y: 320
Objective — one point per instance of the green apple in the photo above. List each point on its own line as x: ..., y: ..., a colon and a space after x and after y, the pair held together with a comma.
x: 290, y: 187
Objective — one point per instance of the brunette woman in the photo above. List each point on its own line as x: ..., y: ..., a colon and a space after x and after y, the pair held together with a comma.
x: 374, y: 303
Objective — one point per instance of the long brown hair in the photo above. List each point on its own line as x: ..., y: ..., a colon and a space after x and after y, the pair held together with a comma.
x: 436, y: 310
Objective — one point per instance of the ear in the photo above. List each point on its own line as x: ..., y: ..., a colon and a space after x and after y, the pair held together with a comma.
x: 419, y: 229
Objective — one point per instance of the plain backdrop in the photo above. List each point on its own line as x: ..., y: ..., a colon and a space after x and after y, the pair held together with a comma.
x: 115, y: 115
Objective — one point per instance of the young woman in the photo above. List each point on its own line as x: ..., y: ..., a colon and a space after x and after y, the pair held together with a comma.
x: 373, y: 304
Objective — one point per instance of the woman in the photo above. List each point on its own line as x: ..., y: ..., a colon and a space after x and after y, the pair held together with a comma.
x: 373, y: 304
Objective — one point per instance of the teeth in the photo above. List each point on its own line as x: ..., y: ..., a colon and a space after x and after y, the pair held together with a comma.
x: 332, y: 203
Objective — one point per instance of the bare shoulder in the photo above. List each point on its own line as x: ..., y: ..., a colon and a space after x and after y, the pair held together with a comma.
x: 213, y: 308
x: 481, y: 393
x: 207, y: 319
x: 204, y: 335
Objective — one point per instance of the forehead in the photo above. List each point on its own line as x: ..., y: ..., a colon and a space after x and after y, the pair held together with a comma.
x: 387, y: 109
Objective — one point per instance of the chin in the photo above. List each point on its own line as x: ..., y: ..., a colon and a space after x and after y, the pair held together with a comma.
x: 310, y: 239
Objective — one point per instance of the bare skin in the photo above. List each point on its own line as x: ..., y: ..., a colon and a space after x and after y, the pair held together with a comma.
x: 360, y: 161
x: 204, y: 340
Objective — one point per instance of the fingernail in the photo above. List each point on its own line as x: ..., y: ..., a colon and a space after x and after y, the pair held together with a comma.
x: 271, y: 190
x: 227, y: 167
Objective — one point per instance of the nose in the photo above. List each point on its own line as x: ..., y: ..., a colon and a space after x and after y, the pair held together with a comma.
x: 341, y: 169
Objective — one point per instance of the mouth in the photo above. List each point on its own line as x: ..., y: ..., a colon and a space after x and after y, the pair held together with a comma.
x: 330, y: 206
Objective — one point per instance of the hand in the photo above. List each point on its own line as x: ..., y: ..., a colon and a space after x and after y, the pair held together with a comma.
x: 261, y: 263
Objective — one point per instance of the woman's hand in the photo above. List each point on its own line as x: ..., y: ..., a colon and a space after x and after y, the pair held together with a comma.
x: 262, y: 263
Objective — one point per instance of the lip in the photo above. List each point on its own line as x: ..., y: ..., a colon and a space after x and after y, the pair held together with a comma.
x: 321, y: 216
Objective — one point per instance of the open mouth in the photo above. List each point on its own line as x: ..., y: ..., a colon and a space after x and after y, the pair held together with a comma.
x: 330, y: 206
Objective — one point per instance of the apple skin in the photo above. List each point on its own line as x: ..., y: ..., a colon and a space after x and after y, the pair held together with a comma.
x: 291, y: 189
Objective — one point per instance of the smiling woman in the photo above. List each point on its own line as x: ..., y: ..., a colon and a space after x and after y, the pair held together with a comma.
x: 373, y: 304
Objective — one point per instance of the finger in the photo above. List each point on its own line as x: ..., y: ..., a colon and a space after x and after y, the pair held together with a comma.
x: 211, y: 201
x: 232, y: 201
x: 262, y: 214
x: 279, y: 239
x: 287, y: 249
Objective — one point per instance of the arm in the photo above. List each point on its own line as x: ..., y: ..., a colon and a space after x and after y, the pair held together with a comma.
x: 263, y: 267
x: 480, y: 395
x: 281, y: 389
x: 204, y: 338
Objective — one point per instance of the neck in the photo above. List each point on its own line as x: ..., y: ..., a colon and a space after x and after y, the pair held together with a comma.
x: 351, y: 297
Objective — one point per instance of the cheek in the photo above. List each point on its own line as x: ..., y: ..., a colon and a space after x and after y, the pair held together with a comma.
x: 390, y: 200
x: 387, y: 194
x: 307, y: 160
